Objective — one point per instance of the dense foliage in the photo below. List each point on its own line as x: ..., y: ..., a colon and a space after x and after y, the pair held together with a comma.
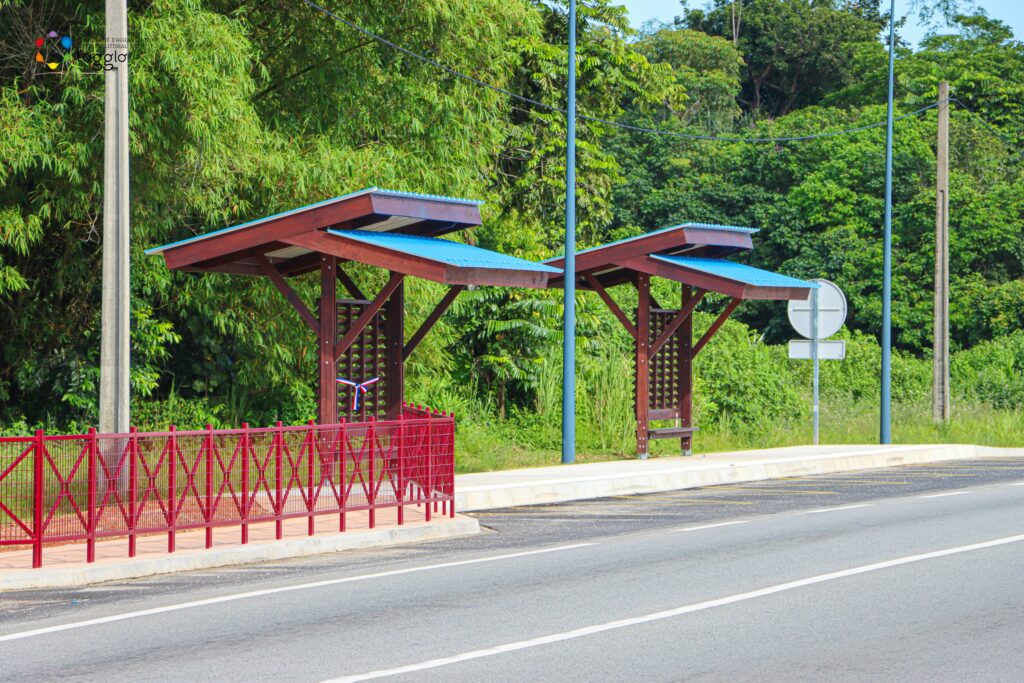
x: 241, y: 109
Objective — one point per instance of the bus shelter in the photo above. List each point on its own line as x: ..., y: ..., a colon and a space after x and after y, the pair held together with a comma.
x: 696, y: 256
x: 360, y: 335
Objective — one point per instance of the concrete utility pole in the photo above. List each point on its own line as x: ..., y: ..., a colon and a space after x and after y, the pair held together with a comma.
x: 940, y: 342
x: 885, y: 402
x: 115, y: 348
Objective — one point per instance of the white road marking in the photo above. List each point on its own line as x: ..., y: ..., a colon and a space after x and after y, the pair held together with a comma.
x: 272, y: 591
x: 711, y: 526
x: 835, y: 509
x: 1018, y: 483
x: 668, y: 614
x: 943, y: 495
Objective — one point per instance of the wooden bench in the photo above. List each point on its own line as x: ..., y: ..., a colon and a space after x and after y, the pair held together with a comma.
x: 671, y: 432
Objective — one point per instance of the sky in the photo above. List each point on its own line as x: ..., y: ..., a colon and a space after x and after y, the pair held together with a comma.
x: 1008, y: 11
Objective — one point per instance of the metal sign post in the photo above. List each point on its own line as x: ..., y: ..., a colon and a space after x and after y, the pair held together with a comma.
x: 814, y: 357
x: 819, y: 320
x: 569, y: 323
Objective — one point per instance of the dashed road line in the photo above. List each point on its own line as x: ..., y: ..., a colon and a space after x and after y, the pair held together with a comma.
x: 943, y: 495
x: 778, y: 492
x: 281, y: 589
x: 711, y: 526
x: 669, y: 613
x: 716, y: 501
x: 835, y: 509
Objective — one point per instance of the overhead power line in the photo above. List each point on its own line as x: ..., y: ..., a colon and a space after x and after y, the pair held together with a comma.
x: 1010, y: 144
x: 790, y: 138
x: 627, y: 126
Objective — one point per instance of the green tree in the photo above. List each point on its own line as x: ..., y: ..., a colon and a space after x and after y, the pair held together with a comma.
x: 795, y: 51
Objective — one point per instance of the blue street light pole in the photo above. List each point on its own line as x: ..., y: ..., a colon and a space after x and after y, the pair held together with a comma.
x: 885, y: 421
x: 569, y: 332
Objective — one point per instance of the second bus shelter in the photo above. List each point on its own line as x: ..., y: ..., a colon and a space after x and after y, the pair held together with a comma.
x: 694, y: 255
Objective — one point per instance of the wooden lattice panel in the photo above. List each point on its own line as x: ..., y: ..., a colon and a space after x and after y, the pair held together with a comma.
x: 363, y: 361
x: 666, y: 365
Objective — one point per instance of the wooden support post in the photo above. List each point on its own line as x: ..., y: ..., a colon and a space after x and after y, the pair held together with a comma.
x: 394, y: 365
x: 643, y: 371
x: 685, y: 379
x: 328, y: 340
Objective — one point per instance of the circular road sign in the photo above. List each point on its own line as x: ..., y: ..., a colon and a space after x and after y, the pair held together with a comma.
x: 831, y: 311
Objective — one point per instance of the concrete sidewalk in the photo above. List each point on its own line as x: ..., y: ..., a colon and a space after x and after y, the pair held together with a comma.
x: 65, y: 565
x: 539, y: 485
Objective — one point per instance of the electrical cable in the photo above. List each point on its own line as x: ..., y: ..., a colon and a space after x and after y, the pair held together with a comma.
x: 791, y: 138
x: 1011, y: 146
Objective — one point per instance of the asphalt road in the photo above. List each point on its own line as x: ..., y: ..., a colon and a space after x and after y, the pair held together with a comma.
x: 909, y: 573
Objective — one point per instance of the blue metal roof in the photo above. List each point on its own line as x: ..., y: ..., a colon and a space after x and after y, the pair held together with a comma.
x: 702, y: 226
x: 444, y: 251
x: 736, y: 271
x: 368, y: 190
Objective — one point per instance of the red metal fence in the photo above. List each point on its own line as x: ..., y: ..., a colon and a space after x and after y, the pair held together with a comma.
x: 91, y: 486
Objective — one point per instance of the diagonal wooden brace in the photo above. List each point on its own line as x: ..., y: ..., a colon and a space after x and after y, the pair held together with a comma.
x: 275, y: 276
x: 612, y: 306
x: 680, y: 318
x: 435, y: 315
x: 367, y: 315
x: 350, y: 284
x: 719, y: 321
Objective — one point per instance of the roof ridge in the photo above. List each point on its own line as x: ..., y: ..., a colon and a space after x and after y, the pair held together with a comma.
x: 424, y: 195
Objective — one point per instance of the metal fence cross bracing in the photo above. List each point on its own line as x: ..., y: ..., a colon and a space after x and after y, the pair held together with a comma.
x: 86, y: 487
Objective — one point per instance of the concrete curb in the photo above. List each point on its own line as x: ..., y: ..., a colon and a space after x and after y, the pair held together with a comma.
x: 659, y: 475
x: 190, y: 560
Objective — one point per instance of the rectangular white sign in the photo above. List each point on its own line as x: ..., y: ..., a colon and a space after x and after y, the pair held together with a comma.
x: 800, y: 349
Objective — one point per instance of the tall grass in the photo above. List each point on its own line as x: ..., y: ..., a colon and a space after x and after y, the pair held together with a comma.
x: 493, y: 446
x: 747, y: 395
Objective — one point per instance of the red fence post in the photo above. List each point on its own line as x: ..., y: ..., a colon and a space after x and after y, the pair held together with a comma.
x: 311, y: 463
x: 371, y: 493
x: 208, y: 513
x: 429, y: 448
x: 245, y: 483
x: 37, y: 502
x: 172, y: 488
x: 90, y: 543
x: 451, y: 465
x: 400, y: 449
x: 132, y: 492
x: 442, y: 452
x: 278, y: 463
x: 343, y: 502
